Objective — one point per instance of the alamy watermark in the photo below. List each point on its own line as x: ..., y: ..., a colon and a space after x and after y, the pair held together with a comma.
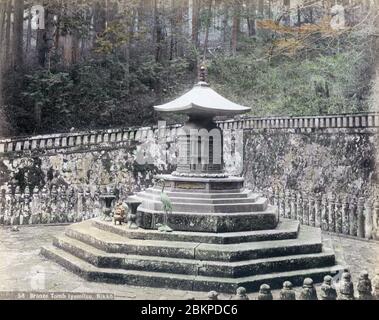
x: 190, y: 147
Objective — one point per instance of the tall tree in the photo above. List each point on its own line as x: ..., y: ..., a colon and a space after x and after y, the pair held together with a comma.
x: 235, y: 25
x: 207, y: 27
x: 18, y: 36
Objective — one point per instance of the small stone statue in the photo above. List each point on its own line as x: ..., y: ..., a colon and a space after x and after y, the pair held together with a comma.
x: 328, y: 292
x: 265, y: 292
x: 287, y: 293
x: 241, y: 294
x: 375, y: 285
x: 119, y: 214
x: 309, y: 291
x: 346, y: 289
x: 364, y: 287
x: 212, y: 295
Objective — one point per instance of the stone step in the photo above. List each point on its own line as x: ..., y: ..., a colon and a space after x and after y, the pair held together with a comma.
x: 252, y: 198
x: 220, y: 194
x: 102, y: 259
x: 286, y: 229
x: 253, y: 206
x: 113, y: 243
x: 210, y: 221
x: 182, y: 281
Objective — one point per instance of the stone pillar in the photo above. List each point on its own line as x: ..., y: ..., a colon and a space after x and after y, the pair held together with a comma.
x: 308, y: 291
x: 325, y: 214
x: 345, y: 215
x: 299, y: 204
x: 364, y: 287
x: 332, y: 213
x: 338, y: 215
x: 375, y: 286
x: 265, y: 292
x: 312, y: 211
x: 368, y: 215
x: 293, y: 206
x: 318, y: 211
x: 241, y: 294
x: 360, y: 218
x: 212, y: 295
x: 287, y: 292
x: 353, y: 217
x: 306, y: 210
x: 346, y: 287
x: 328, y: 292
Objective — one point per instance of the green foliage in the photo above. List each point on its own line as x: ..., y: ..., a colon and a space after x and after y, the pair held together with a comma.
x: 323, y: 80
x: 100, y: 93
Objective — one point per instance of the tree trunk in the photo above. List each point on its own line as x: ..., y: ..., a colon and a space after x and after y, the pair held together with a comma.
x: 209, y: 18
x: 29, y: 32
x: 195, y: 23
x: 18, y: 45
x: 235, y: 27
x: 8, y: 31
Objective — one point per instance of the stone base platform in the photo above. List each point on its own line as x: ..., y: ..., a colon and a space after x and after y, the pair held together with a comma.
x: 199, y: 204
x: 199, y: 261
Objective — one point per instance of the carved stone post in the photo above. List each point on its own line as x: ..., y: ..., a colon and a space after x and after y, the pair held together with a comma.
x: 345, y: 215
x: 338, y: 215
x: 293, y: 206
x: 308, y: 291
x: 300, y: 213
x: 376, y: 219
x: 353, y: 217
x: 319, y: 211
x: 360, y: 218
x: 212, y: 295
x: 328, y: 292
x: 364, y: 287
x: 346, y: 287
x: 332, y: 213
x: 368, y: 215
x: 312, y: 211
x: 265, y: 292
x: 305, y: 209
x: 241, y: 294
x: 287, y: 292
x: 325, y: 213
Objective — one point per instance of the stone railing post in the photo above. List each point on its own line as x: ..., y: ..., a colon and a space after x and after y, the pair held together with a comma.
x: 299, y: 204
x: 293, y: 206
x: 325, y: 213
x: 318, y: 210
x: 360, y: 218
x: 338, y: 214
x: 346, y: 215
x: 306, y: 209
x: 312, y: 211
x: 353, y: 217
x: 332, y: 213
x: 368, y: 217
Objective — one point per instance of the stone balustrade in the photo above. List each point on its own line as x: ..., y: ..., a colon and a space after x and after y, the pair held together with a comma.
x: 53, y: 204
x: 361, y: 120
x: 336, y: 213
x: 121, y: 135
x: 339, y: 287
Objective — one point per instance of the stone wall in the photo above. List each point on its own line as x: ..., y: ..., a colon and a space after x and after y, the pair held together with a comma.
x: 313, y: 156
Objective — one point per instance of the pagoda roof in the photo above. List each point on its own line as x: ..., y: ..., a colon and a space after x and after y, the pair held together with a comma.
x: 202, y: 100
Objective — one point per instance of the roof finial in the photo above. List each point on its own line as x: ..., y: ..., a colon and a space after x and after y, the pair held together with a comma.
x: 203, y: 73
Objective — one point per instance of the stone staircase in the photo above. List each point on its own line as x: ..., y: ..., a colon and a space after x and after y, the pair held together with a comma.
x: 194, y: 260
